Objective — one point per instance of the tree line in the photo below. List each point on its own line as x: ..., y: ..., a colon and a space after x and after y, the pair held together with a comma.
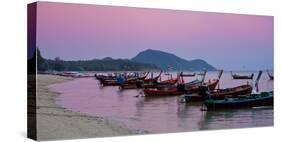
x: 107, y: 64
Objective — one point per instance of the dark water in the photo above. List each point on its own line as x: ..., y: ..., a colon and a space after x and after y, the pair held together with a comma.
x: 159, y: 114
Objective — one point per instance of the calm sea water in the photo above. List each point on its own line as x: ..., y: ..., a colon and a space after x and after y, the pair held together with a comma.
x: 158, y: 115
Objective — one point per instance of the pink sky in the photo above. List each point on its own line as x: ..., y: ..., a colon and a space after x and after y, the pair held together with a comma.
x: 229, y: 41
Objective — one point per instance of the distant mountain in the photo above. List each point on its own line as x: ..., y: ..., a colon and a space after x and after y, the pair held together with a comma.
x: 166, y: 60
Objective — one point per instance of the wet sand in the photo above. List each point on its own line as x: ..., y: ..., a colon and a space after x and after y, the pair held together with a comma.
x: 55, y: 122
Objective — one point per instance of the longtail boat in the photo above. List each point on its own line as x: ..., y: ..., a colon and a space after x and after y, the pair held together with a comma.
x: 148, y: 83
x: 184, y: 87
x: 218, y: 94
x: 108, y: 82
x: 270, y: 75
x: 160, y: 84
x: 236, y: 76
x: 235, y: 91
x: 111, y: 80
x: 211, y: 84
x: 253, y: 100
x: 169, y: 87
x: 131, y: 83
x: 71, y: 74
x: 168, y: 82
x: 187, y: 75
x: 104, y: 77
x: 159, y: 92
x: 164, y: 88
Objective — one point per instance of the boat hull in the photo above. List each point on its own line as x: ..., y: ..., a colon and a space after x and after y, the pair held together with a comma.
x: 233, y: 92
x: 242, y: 76
x: 128, y: 86
x: 237, y: 103
x: 161, y: 93
x: 109, y: 82
x: 195, y: 88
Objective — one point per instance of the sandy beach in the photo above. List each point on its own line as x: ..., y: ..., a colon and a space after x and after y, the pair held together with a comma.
x: 55, y: 122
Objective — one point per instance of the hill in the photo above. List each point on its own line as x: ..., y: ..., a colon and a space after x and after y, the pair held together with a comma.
x: 167, y: 60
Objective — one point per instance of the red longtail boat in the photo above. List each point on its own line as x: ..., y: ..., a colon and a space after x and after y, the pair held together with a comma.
x: 163, y: 88
x: 156, y: 92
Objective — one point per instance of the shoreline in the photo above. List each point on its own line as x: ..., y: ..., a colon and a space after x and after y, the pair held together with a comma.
x: 55, y: 122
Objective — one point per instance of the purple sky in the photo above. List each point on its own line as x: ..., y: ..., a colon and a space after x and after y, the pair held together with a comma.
x: 228, y: 41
